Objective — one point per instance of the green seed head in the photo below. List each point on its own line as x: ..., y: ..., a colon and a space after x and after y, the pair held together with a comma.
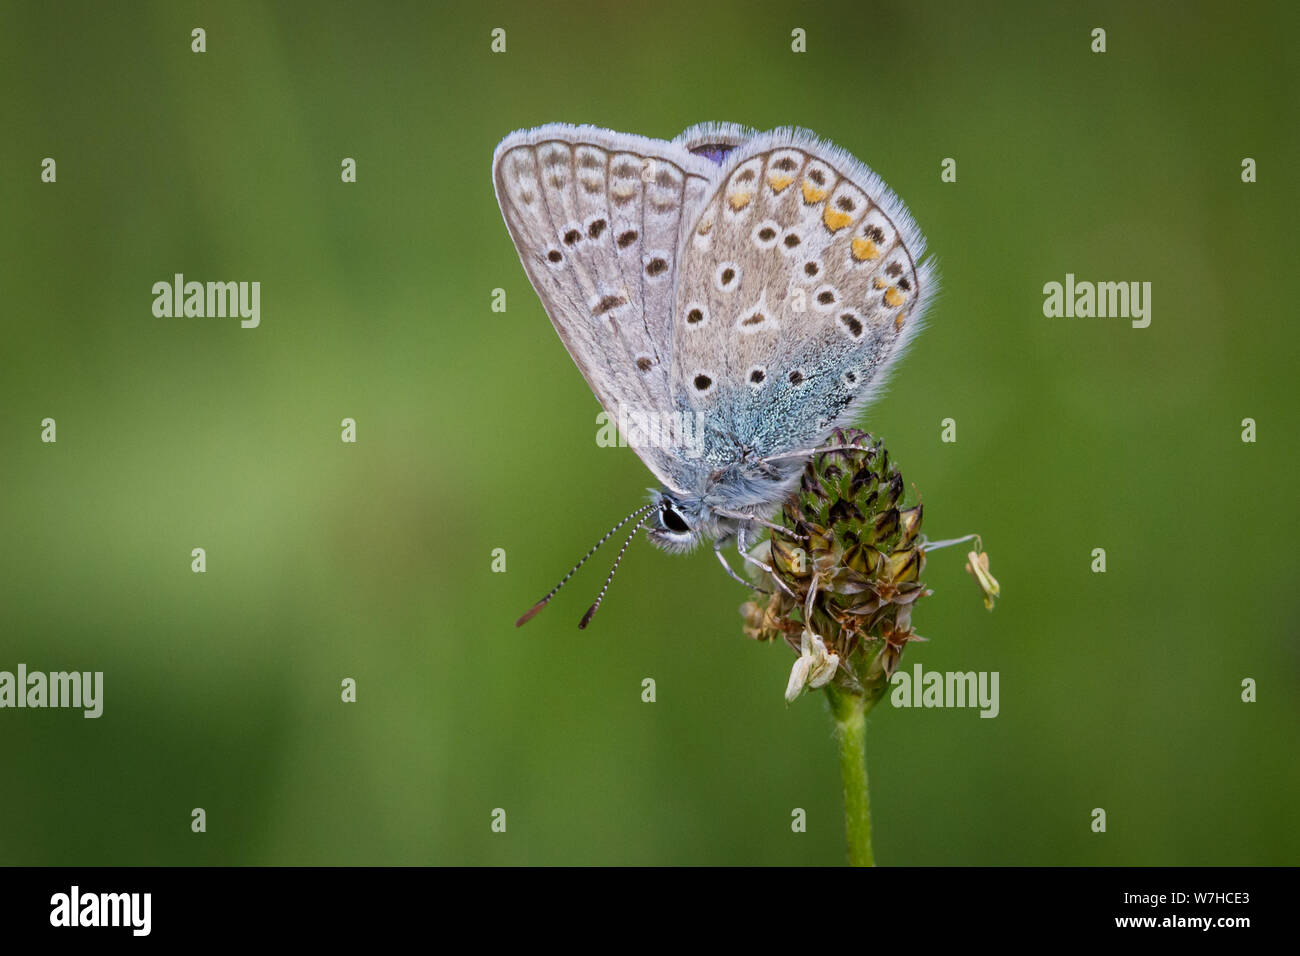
x: 858, y: 556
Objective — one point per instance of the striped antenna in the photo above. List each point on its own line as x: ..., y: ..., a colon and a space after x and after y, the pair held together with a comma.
x: 536, y: 608
x: 591, y: 611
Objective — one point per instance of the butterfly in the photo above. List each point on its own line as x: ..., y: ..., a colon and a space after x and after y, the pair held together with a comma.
x: 735, y: 295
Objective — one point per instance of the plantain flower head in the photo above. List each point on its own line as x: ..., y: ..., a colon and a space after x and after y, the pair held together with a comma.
x: 844, y: 581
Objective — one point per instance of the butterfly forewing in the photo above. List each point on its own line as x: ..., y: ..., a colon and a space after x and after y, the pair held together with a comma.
x: 801, y: 282
x: 597, y: 218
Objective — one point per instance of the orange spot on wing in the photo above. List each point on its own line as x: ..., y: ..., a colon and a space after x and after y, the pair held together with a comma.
x: 779, y: 182
x: 740, y: 200
x: 835, y: 219
x: 894, y: 298
x: 811, y: 193
x: 864, y: 249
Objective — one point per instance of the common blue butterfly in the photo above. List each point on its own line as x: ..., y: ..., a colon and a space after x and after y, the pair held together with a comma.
x: 735, y: 295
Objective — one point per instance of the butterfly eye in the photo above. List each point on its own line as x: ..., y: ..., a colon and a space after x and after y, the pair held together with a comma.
x: 671, y: 520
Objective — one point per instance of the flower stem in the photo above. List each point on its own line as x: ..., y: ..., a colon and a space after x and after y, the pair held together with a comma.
x: 850, y: 713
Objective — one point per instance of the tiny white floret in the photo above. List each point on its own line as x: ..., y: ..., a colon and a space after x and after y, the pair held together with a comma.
x: 814, y: 667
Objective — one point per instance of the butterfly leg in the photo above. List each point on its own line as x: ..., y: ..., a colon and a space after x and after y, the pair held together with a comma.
x: 733, y: 575
x: 741, y: 516
x: 744, y: 553
x: 809, y: 452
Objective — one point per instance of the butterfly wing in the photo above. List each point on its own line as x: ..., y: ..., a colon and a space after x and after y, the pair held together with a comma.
x: 714, y: 141
x: 802, y: 282
x: 597, y: 217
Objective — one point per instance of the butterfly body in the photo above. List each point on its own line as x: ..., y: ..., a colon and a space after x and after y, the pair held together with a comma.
x: 749, y: 289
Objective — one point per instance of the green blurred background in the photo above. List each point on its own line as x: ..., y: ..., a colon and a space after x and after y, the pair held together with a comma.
x: 373, y: 561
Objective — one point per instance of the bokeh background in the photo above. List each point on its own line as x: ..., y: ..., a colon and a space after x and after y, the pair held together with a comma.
x: 373, y: 561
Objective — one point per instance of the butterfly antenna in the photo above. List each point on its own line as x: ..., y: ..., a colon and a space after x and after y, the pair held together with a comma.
x: 536, y: 608
x: 591, y: 611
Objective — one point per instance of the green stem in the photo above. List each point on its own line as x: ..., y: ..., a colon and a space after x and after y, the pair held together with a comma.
x: 850, y: 713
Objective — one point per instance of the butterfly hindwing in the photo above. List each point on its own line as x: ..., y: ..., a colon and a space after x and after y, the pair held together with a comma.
x: 597, y: 217
x: 714, y: 141
x: 801, y: 282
